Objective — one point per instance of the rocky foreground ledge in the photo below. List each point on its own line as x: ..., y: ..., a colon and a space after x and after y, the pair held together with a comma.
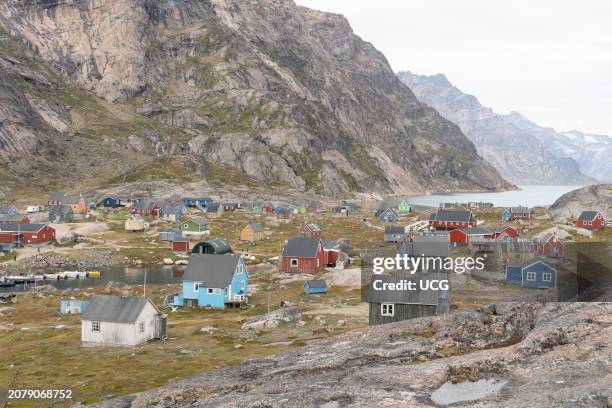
x: 550, y: 355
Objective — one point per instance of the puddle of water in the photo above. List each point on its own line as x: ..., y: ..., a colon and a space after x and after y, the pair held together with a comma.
x: 450, y: 393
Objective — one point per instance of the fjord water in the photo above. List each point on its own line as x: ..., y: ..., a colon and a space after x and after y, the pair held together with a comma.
x: 528, y: 195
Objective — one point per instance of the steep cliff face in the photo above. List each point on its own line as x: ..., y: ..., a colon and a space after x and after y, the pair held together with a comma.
x: 517, y: 151
x: 283, y: 94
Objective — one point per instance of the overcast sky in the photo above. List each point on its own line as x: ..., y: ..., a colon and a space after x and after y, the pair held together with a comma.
x: 550, y: 60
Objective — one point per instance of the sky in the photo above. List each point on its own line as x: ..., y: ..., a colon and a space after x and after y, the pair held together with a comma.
x: 549, y: 60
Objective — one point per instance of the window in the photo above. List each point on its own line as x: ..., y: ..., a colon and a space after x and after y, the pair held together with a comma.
x: 95, y: 327
x: 294, y: 262
x: 242, y: 284
x: 141, y: 327
x: 531, y: 276
x: 210, y: 291
x: 217, y: 291
x: 387, y: 309
x: 196, y: 287
x: 547, y: 277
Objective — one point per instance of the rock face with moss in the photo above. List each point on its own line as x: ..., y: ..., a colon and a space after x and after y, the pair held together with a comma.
x: 280, y: 93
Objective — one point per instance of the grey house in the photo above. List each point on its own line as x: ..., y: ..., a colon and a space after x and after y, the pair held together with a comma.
x: 394, y: 233
x: 60, y: 213
x: 389, y: 306
x: 121, y: 320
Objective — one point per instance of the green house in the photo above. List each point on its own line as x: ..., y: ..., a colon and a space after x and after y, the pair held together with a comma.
x: 302, y: 210
x: 404, y: 207
x: 194, y: 226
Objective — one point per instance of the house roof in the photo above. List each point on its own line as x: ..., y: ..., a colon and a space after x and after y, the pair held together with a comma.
x: 10, y: 217
x: 537, y: 265
x: 212, y: 207
x: 520, y: 210
x: 14, y: 227
x: 6, y: 209
x: 476, y: 231
x: 60, y: 209
x: 316, y: 283
x: 302, y: 247
x: 394, y: 229
x: 426, y: 245
x: 416, y: 296
x: 215, y: 271
x: 118, y: 309
x: 145, y: 204
x: 451, y: 216
x: 388, y: 211
x: 198, y: 221
x: 59, y: 196
x: 339, y: 245
x: 172, y: 209
x: 256, y: 227
x: 588, y: 215
x: 73, y: 199
x: 311, y: 226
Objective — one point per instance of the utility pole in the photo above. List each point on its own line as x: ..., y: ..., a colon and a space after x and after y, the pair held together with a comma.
x: 144, y: 285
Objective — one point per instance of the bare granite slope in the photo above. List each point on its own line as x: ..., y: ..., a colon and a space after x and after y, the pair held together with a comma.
x: 555, y: 355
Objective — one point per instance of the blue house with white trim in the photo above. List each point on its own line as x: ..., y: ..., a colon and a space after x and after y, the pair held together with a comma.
x: 214, y: 281
x: 533, y: 274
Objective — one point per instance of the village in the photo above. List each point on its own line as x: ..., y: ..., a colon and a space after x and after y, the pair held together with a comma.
x: 246, y: 279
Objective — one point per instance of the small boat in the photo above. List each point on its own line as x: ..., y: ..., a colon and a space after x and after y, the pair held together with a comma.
x: 74, y: 275
x: 94, y: 274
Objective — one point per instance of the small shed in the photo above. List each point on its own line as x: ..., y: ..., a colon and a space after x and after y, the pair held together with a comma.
x: 310, y: 230
x: 315, y: 286
x: 394, y: 233
x: 252, y: 232
x: 73, y: 307
x: 387, y: 215
x: 136, y: 223
x: 404, y: 207
x: 180, y: 245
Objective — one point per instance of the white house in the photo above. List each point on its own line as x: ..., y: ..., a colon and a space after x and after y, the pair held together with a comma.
x: 121, y: 321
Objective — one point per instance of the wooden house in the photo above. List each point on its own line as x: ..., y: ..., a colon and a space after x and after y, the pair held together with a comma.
x: 214, y: 281
x: 172, y: 212
x: 462, y: 236
x: 337, y: 253
x: 444, y: 219
x: 303, y: 255
x: 425, y: 245
x: 196, y: 201
x: 387, y: 215
x: 136, y: 223
x: 389, y: 306
x: 195, y: 227
x: 535, y: 274
x: 78, y: 203
x: 506, y: 232
x: 214, y: 210
x: 404, y: 207
x: 315, y: 286
x: 112, y: 202
x: 516, y: 213
x: 314, y: 207
x: 169, y: 235
x: 550, y: 245
x: 61, y: 213
x: 394, y: 233
x: 73, y: 306
x: 593, y: 220
x: 146, y: 207
x: 18, y: 235
x: 252, y: 232
x: 217, y: 246
x: 310, y: 230
x: 121, y: 321
x: 180, y: 245
x: 9, y: 214
x: 56, y: 198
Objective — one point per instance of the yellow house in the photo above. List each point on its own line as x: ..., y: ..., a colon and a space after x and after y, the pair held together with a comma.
x: 252, y: 232
x: 136, y: 223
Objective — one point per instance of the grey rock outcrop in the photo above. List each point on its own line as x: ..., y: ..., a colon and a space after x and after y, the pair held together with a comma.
x: 596, y: 197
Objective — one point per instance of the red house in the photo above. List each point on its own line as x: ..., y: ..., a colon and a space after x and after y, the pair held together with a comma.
x: 146, y: 207
x: 303, y: 255
x: 509, y: 232
x: 517, y: 213
x: 311, y: 231
x: 462, y: 236
x: 550, y: 246
x: 593, y: 220
x: 180, y: 245
x: 26, y: 234
x: 451, y: 219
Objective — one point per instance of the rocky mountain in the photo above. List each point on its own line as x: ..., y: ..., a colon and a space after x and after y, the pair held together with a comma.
x: 554, y: 355
x: 595, y: 197
x: 228, y: 90
x: 520, y: 150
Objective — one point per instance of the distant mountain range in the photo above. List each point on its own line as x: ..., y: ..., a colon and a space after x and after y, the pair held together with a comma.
x: 522, y: 151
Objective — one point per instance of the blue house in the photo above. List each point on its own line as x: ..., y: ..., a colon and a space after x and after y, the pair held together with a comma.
x: 111, y: 202
x: 506, y: 215
x: 73, y: 306
x: 533, y: 274
x: 214, y: 281
x: 315, y: 286
x: 388, y: 215
x: 196, y: 201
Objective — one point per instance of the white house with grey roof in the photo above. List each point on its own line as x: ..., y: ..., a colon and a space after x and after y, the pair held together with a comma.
x: 121, y: 321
